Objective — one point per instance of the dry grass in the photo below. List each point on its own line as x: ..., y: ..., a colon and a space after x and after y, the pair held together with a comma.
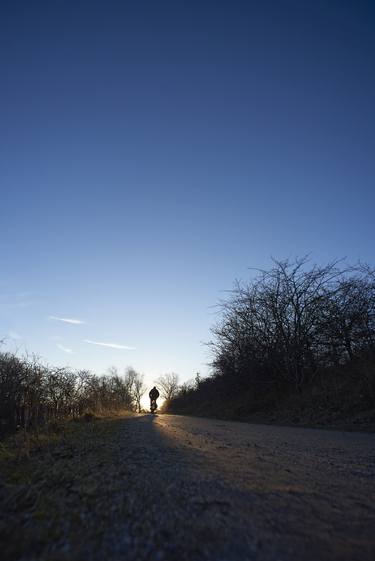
x: 49, y: 484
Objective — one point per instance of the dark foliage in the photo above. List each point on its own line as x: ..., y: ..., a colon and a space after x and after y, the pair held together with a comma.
x: 32, y: 393
x: 291, y: 329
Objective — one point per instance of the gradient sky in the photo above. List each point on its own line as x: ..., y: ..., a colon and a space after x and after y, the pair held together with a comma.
x: 152, y: 151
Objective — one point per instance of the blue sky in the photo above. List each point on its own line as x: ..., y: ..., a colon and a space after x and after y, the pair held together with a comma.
x: 151, y: 152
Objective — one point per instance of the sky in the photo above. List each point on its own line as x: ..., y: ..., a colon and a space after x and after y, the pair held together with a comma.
x: 152, y: 152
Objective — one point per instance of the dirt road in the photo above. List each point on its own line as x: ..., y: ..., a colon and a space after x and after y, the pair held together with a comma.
x: 236, y: 491
x: 262, y: 492
x: 168, y: 488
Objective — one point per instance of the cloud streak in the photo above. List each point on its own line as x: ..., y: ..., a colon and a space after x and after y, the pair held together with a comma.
x: 110, y: 345
x: 12, y: 301
x: 65, y: 349
x: 14, y: 336
x: 72, y: 321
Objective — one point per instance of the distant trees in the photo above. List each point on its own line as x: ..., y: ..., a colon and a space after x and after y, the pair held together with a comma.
x: 32, y: 393
x: 168, y: 385
x: 139, y: 389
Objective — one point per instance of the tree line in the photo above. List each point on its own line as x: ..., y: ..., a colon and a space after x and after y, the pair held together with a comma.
x: 32, y: 393
x: 288, y: 328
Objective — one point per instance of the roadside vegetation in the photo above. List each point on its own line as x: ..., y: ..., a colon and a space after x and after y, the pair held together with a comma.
x: 58, y: 472
x: 295, y: 344
x: 33, y: 395
x: 57, y: 483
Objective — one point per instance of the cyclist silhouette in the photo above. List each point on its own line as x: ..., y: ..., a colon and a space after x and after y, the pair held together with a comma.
x: 153, y: 395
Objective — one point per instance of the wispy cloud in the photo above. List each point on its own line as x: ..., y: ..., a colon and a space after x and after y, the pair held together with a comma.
x: 65, y: 349
x: 22, y: 304
x: 110, y: 345
x: 14, y: 335
x: 17, y: 300
x: 72, y: 321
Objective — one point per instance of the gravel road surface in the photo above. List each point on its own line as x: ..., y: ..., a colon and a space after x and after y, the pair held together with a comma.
x: 206, y: 489
x: 264, y: 492
x: 174, y: 488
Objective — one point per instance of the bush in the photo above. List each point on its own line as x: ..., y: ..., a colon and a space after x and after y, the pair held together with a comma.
x: 292, y: 328
x: 32, y: 393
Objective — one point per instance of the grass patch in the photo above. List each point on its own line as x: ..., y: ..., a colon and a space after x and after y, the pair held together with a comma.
x: 51, y: 483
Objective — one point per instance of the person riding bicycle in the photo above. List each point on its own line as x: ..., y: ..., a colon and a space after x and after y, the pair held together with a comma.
x: 153, y: 395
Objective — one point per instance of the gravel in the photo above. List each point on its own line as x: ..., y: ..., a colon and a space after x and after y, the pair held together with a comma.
x: 189, y: 489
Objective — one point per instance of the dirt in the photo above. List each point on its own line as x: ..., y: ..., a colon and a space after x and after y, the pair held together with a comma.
x: 192, y: 489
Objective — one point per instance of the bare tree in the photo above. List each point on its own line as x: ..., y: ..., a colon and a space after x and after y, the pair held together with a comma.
x: 293, y: 319
x: 168, y: 384
x: 139, y: 389
x: 32, y: 393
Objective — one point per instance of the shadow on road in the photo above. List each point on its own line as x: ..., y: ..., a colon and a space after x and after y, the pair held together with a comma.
x: 238, y: 503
